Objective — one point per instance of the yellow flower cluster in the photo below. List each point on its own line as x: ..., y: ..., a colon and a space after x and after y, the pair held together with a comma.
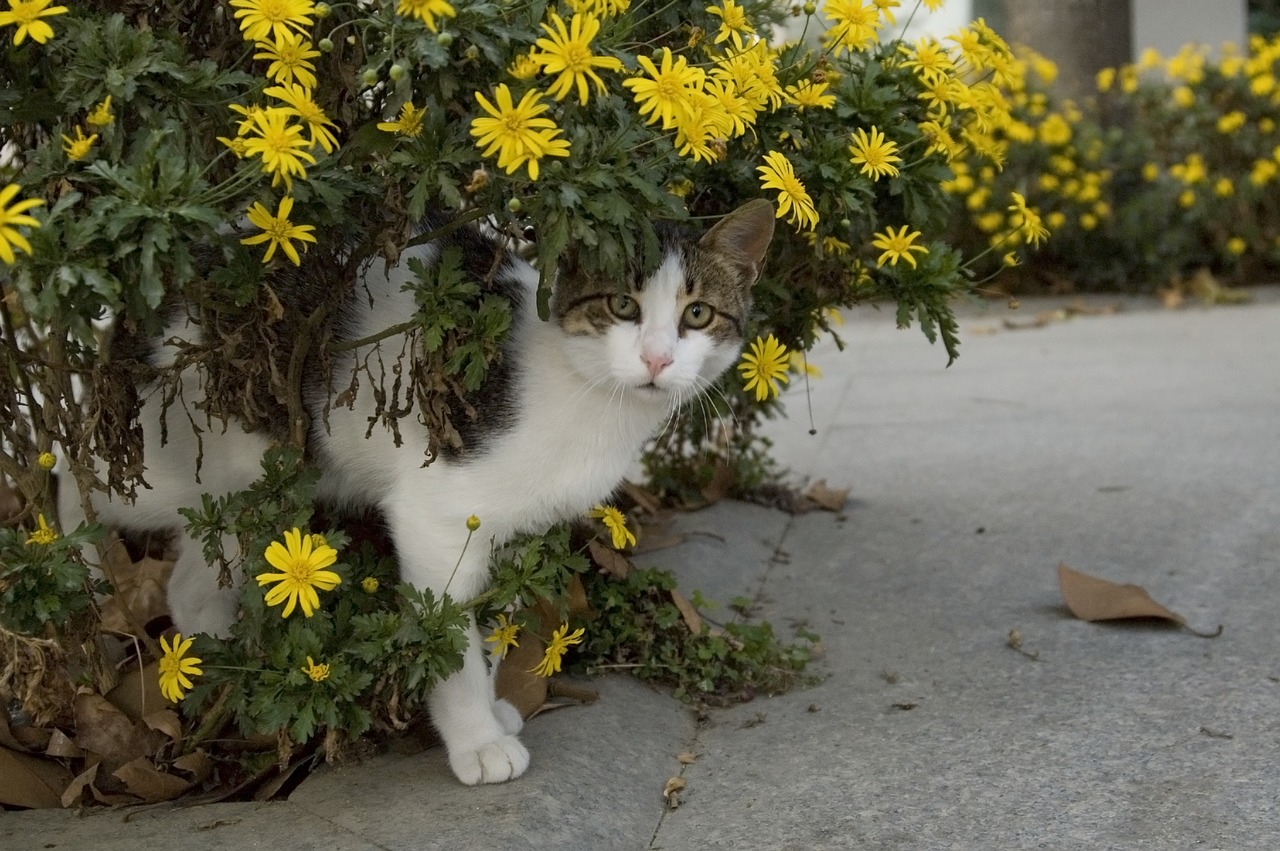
x: 284, y: 134
x: 965, y: 80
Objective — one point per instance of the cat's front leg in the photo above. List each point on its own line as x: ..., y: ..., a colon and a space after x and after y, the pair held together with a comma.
x: 478, y: 730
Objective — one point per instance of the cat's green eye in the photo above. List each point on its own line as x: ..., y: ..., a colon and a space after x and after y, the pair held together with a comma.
x: 698, y: 315
x: 624, y: 307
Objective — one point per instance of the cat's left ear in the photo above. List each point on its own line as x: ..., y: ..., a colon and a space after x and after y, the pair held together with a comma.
x: 743, y: 235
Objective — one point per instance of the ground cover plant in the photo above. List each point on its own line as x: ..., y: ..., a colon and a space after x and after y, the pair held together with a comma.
x: 195, y: 149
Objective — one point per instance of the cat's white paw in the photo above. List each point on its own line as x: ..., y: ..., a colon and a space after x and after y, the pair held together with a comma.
x: 508, y: 716
x: 493, y: 762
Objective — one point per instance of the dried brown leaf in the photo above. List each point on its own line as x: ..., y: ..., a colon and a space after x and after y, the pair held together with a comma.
x: 75, y: 789
x: 31, y: 781
x: 692, y: 619
x: 1093, y: 599
x: 149, y: 783
x: 609, y: 560
x: 686, y: 758
x: 108, y: 732
x: 166, y: 721
x: 830, y: 499
x: 722, y: 480
x: 196, y: 763
x: 643, y: 498
x: 525, y: 691
x: 10, y: 504
x: 138, y: 693
x: 60, y: 745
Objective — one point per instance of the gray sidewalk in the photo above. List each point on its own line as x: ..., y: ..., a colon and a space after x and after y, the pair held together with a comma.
x: 1141, y: 447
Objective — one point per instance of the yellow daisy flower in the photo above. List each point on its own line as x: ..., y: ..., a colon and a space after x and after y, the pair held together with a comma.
x: 778, y: 173
x: 409, y: 124
x: 43, y: 535
x: 101, y: 115
x: 300, y: 104
x: 12, y: 218
x: 556, y: 648
x: 515, y: 132
x: 764, y: 366
x: 301, y: 572
x: 1027, y: 221
x: 876, y: 154
x: 317, y: 673
x: 566, y: 51
x: 662, y: 95
x: 290, y: 56
x: 78, y: 148
x: 427, y: 11
x: 524, y: 67
x: 854, y: 25
x: 503, y: 636
x: 897, y: 246
x: 267, y: 20
x: 27, y: 15
x: 279, y: 231
x: 928, y: 59
x: 616, y: 523
x: 733, y: 23
x: 280, y: 144
x: 602, y: 8
x: 176, y: 667
x: 807, y: 93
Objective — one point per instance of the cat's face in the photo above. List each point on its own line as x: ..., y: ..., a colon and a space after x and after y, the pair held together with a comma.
x: 669, y: 334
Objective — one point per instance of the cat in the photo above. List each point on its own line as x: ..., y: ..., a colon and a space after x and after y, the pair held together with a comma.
x: 564, y: 413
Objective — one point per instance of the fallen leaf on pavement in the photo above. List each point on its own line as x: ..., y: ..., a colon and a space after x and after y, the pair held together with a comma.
x: 686, y: 758
x: 1092, y: 599
x: 671, y: 792
x: 831, y: 499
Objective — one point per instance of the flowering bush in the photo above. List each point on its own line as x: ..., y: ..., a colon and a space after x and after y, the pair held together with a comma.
x: 1170, y: 167
x: 195, y: 149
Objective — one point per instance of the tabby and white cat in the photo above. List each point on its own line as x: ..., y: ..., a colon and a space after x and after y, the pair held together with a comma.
x: 564, y: 413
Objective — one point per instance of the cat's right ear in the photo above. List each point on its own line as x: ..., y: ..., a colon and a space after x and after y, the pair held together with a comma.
x: 743, y: 235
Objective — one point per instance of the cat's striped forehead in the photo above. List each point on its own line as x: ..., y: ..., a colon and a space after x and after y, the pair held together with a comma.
x: 687, y: 273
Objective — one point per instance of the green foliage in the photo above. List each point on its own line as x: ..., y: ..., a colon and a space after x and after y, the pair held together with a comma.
x: 44, y: 585
x: 638, y: 626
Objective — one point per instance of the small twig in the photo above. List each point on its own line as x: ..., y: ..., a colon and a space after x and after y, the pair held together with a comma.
x: 1014, y: 642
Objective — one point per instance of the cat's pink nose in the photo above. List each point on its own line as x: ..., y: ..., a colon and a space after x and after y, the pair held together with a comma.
x: 656, y: 363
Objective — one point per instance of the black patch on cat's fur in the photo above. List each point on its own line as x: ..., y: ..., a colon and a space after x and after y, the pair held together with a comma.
x: 488, y: 263
x: 479, y: 415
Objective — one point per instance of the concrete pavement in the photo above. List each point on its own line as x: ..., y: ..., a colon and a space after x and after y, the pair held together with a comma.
x: 1141, y: 447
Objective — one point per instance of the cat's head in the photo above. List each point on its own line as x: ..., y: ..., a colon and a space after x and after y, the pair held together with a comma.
x: 668, y: 333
